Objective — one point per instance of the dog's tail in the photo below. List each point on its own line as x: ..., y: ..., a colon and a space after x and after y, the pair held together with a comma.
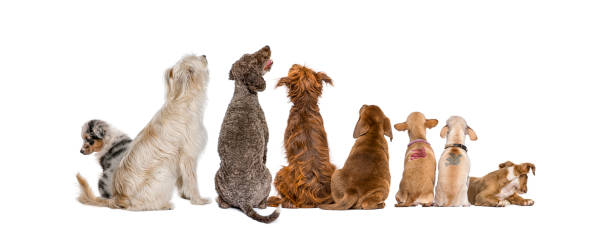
x: 87, y: 197
x: 274, y: 201
x: 249, y: 211
x: 349, y: 199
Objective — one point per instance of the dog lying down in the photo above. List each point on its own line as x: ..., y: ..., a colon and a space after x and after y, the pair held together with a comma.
x: 110, y: 145
x: 501, y: 187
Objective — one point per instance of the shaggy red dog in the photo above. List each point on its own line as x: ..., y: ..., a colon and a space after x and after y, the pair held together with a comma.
x: 305, y: 182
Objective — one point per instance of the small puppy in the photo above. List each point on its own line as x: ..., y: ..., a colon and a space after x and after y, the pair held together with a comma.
x: 243, y: 180
x: 417, y: 185
x: 110, y: 145
x: 166, y: 151
x: 364, y: 181
x: 305, y: 181
x: 454, y: 164
x: 501, y: 187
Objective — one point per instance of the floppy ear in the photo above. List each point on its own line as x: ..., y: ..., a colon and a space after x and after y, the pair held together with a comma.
x: 529, y: 166
x: 387, y: 129
x: 430, y: 123
x: 98, y: 130
x: 321, y: 76
x: 506, y: 164
x: 472, y: 134
x: 402, y: 126
x: 444, y: 131
x: 170, y: 89
x: 361, y: 128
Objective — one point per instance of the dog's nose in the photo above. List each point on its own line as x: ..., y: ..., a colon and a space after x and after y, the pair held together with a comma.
x: 204, y: 56
x: 82, y: 151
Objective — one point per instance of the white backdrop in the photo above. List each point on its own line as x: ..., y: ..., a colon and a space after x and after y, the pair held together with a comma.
x: 530, y: 77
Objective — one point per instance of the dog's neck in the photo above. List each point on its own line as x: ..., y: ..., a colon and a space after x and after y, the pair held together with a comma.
x: 417, y: 135
x: 455, y: 137
x: 112, y: 137
x: 241, y: 90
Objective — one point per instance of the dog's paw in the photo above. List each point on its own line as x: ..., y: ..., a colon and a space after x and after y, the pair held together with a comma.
x: 168, y: 206
x: 528, y: 202
x: 200, y: 201
x: 503, y: 203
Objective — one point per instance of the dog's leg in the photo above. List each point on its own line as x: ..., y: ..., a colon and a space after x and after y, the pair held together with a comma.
x: 222, y: 204
x: 187, y: 167
x: 518, y: 200
x: 375, y: 200
x: 489, y: 200
x: 262, y: 204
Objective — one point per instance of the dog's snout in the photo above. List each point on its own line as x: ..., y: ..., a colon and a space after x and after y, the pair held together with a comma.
x: 204, y: 56
x: 82, y: 151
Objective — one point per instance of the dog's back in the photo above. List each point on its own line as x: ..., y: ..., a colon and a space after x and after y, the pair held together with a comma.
x: 418, y: 179
x: 453, y: 171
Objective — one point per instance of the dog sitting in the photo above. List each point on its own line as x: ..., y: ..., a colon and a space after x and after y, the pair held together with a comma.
x: 454, y: 164
x: 305, y: 181
x: 165, y: 152
x: 417, y: 185
x: 363, y: 182
x: 501, y: 187
x: 243, y: 180
x: 110, y: 145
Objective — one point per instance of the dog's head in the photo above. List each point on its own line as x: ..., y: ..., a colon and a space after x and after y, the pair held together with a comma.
x: 93, y: 133
x: 250, y: 68
x: 303, y: 81
x: 456, y: 128
x: 506, y: 164
x: 187, y: 77
x: 416, y: 123
x: 372, y: 119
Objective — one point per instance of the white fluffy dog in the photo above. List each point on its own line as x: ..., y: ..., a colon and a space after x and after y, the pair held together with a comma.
x: 165, y: 152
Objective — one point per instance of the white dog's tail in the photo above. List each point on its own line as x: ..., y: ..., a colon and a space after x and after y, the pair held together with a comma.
x: 87, y: 197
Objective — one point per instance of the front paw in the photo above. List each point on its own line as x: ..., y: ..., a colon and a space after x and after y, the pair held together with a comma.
x: 503, y: 203
x: 528, y: 202
x: 200, y: 201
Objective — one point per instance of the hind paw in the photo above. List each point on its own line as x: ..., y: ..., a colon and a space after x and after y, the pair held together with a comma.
x: 200, y: 201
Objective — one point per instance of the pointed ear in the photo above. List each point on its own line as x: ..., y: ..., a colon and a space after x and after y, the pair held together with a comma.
x: 361, y: 128
x: 387, y: 129
x: 321, y: 76
x: 283, y: 81
x: 402, y: 126
x: 506, y: 164
x: 444, y: 131
x: 472, y: 134
x: 430, y: 123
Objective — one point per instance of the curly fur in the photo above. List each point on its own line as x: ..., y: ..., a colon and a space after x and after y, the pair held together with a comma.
x: 243, y: 180
x: 305, y: 181
x: 165, y: 152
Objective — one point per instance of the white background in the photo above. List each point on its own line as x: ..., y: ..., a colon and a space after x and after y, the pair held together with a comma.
x: 530, y: 77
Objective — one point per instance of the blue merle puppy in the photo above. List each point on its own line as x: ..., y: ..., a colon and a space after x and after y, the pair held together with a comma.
x: 110, y: 145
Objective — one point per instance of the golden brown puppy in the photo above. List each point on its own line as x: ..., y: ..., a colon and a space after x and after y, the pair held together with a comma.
x: 364, y: 181
x: 417, y: 185
x: 501, y: 187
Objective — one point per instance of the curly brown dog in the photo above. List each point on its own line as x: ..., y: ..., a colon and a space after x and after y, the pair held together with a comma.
x: 501, y: 187
x: 305, y: 181
x: 364, y: 181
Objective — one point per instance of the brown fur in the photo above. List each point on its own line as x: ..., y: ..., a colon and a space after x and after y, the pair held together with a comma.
x: 364, y: 181
x: 417, y: 184
x: 496, y: 190
x: 305, y: 181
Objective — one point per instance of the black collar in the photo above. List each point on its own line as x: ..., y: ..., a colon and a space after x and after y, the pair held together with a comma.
x: 457, y: 145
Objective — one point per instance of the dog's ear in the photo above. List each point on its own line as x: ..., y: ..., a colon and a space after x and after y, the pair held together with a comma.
x: 444, y: 131
x: 254, y: 82
x: 506, y: 164
x: 472, y: 134
x: 283, y: 81
x: 402, y: 126
x: 361, y: 128
x: 387, y: 128
x: 98, y: 130
x: 430, y: 123
x: 322, y: 77
x: 525, y: 167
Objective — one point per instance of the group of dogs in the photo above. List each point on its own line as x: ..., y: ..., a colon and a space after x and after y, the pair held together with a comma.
x: 141, y: 174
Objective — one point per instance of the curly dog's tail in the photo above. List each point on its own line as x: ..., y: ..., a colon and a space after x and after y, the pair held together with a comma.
x: 87, y: 197
x: 249, y: 211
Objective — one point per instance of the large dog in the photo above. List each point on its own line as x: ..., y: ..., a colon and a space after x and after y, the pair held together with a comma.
x: 454, y: 164
x: 243, y: 180
x: 363, y: 182
x: 305, y: 181
x: 165, y: 153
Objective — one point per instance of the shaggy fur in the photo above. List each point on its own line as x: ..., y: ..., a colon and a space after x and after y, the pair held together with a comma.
x: 243, y: 180
x: 305, y: 181
x: 417, y: 184
x: 165, y: 152
x: 501, y: 187
x: 363, y: 182
x: 454, y: 165
x: 110, y: 145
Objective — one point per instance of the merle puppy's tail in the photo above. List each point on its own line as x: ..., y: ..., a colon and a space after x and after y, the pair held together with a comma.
x: 249, y: 211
